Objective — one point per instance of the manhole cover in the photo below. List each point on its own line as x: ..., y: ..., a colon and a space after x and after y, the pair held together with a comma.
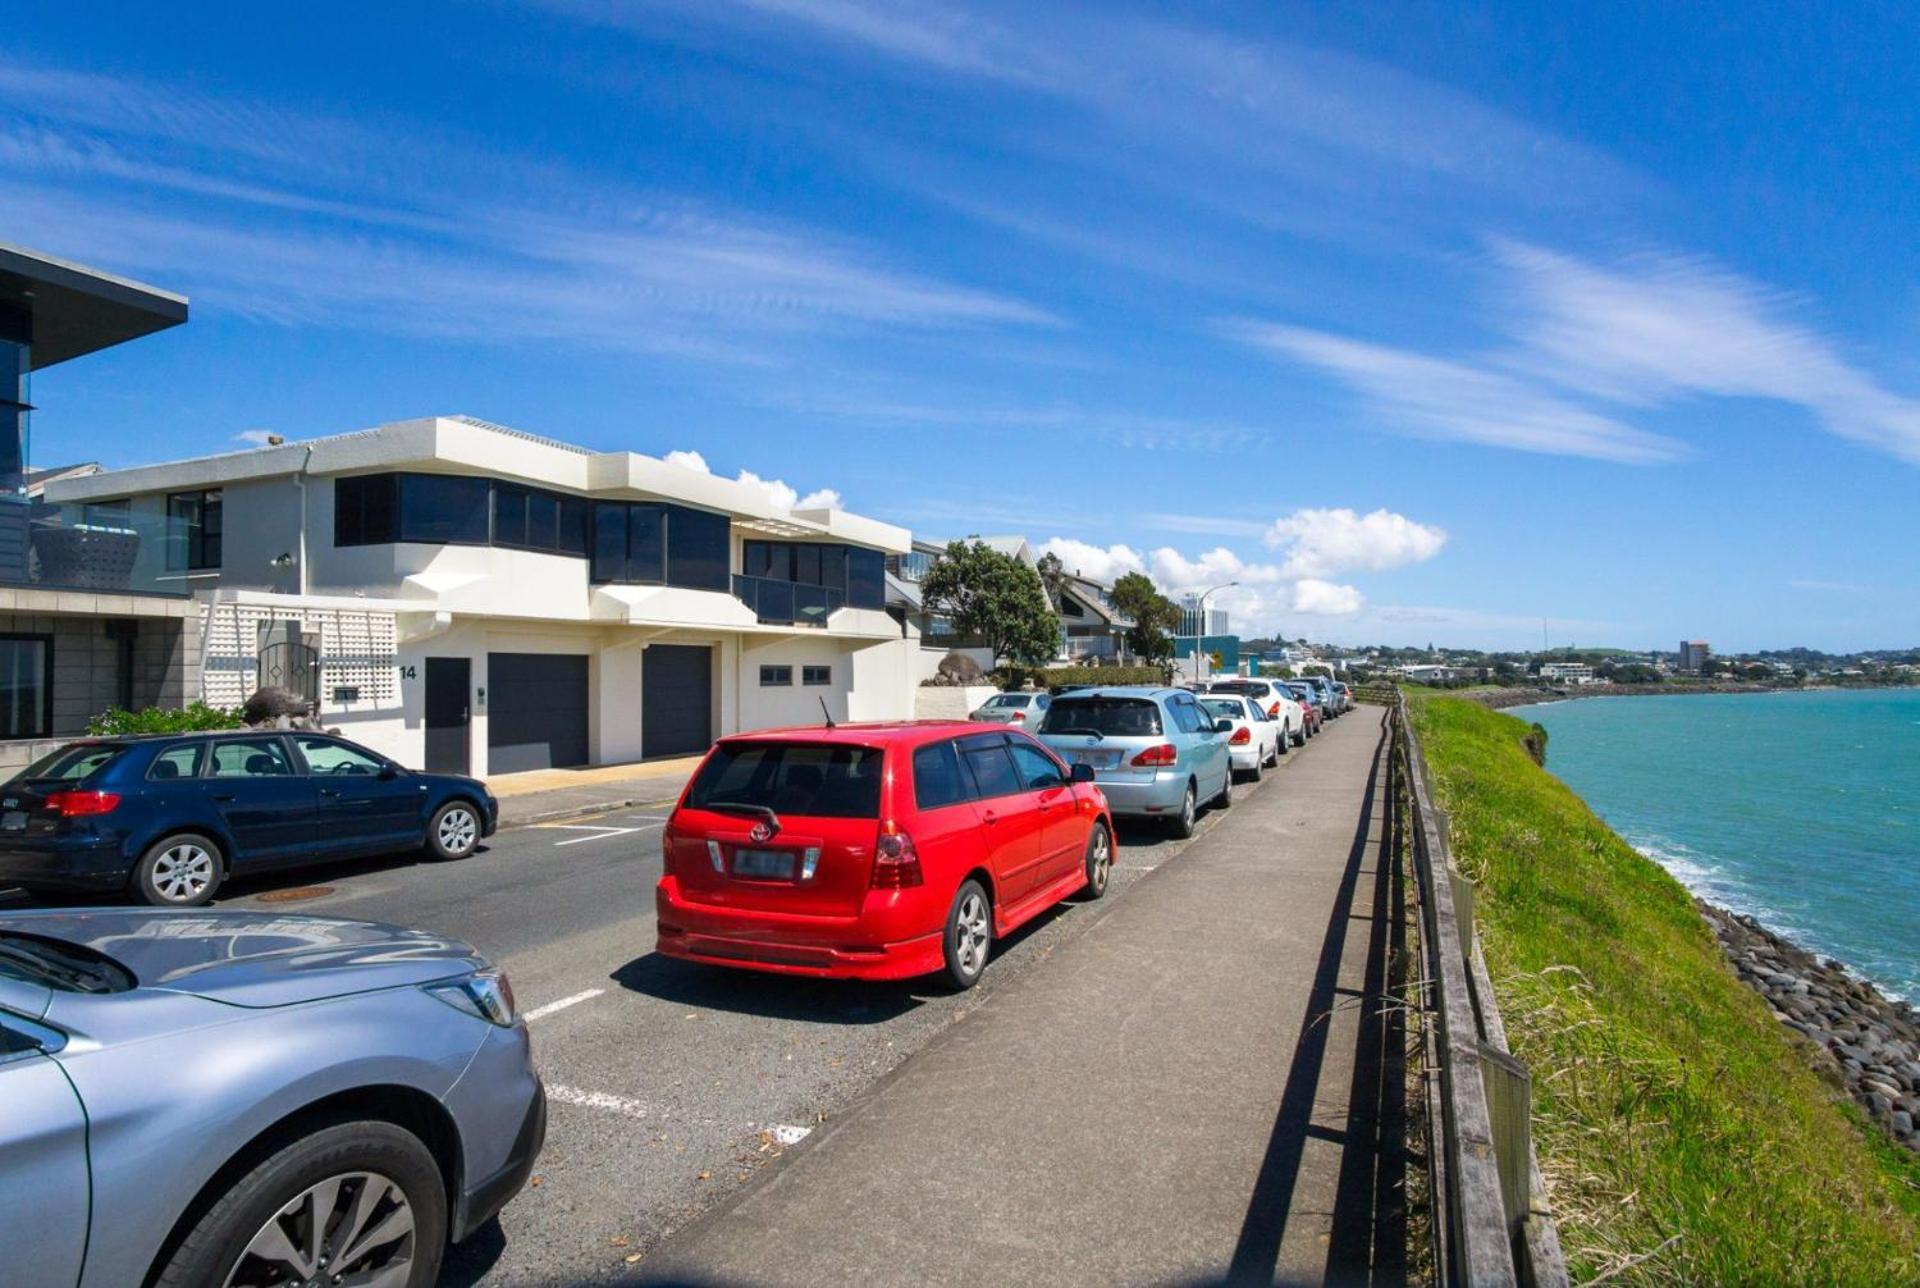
x: 296, y: 894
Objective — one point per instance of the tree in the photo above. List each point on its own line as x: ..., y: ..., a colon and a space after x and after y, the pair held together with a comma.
x: 1153, y: 614
x: 1053, y: 577
x: 995, y: 597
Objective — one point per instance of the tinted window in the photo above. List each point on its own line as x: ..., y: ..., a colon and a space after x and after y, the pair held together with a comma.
x: 937, y: 777
x: 810, y: 779
x: 816, y: 675
x: 509, y: 516
x: 646, y: 544
x: 697, y: 549
x: 196, y: 543
x: 772, y: 676
x: 1187, y: 714
x: 1113, y: 717
x: 866, y: 578
x: 609, y: 543
x: 71, y: 764
x: 1037, y: 768
x: 1009, y: 700
x: 444, y: 509
x: 325, y: 756
x: 182, y: 761
x: 573, y: 525
x: 250, y: 758
x: 25, y: 692
x: 992, y: 767
x: 364, y: 510
x: 1229, y: 708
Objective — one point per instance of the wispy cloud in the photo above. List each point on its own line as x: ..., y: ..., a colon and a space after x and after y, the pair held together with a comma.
x: 1126, y: 429
x: 1819, y: 587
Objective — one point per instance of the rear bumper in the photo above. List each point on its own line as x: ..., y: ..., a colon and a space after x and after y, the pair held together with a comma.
x: 1250, y: 756
x: 64, y: 863
x: 1160, y: 795
x: 787, y: 944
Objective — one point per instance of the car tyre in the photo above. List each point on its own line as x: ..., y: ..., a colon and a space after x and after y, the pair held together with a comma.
x: 454, y: 831
x: 1259, y: 768
x: 178, y: 871
x: 1225, y: 799
x: 1182, y: 823
x: 1099, y: 861
x: 969, y: 937
x: 265, y: 1214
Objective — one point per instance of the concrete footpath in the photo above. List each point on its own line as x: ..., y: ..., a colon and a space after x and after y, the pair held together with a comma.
x: 1202, y: 1088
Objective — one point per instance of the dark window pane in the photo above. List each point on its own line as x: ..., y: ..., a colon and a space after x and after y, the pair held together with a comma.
x: 646, y: 545
x: 1113, y: 717
x: 573, y: 526
x: 72, y: 763
x: 993, y: 771
x: 24, y: 684
x: 609, y: 543
x: 196, y: 543
x: 775, y: 676
x: 363, y: 509
x: 833, y: 567
x: 806, y: 565
x: 696, y: 549
x: 1037, y: 768
x: 765, y: 559
x: 509, y: 515
x: 816, y: 675
x: 444, y: 509
x: 937, y: 779
x: 543, y: 521
x: 866, y: 579
x: 792, y: 779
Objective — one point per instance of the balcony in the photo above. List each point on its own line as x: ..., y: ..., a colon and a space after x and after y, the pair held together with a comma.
x: 80, y: 548
x: 787, y: 603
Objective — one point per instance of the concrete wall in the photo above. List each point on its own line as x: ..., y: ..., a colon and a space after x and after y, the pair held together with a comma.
x: 86, y: 674
x: 950, y: 703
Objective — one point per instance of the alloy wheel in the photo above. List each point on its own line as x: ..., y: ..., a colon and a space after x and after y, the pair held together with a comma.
x: 354, y: 1228
x: 1102, y: 858
x: 183, y: 872
x: 458, y: 830
x: 1188, y: 807
x: 971, y: 933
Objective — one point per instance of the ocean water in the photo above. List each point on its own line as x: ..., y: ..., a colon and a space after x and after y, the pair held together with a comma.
x: 1801, y: 809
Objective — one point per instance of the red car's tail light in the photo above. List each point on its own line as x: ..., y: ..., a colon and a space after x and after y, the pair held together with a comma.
x: 896, y: 864
x: 1165, y: 754
x: 1241, y: 736
x: 81, y: 804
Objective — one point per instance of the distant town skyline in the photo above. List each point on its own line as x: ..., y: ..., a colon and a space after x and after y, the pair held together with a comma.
x: 1418, y: 323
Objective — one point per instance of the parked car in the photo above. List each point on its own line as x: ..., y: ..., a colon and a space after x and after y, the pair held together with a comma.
x: 250, y: 1098
x: 1311, y: 704
x: 1013, y: 708
x: 1345, y: 692
x: 1156, y: 753
x: 879, y: 851
x: 167, y: 818
x: 1255, y: 741
x: 1323, y: 690
x: 1275, y: 699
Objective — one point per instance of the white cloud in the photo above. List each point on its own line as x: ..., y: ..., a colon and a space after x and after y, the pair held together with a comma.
x: 254, y: 437
x: 1320, y: 543
x: 1102, y: 563
x: 1262, y: 598
x: 780, y: 493
x: 1325, y: 599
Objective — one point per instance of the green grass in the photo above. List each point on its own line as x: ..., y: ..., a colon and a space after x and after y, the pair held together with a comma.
x: 1667, y: 1100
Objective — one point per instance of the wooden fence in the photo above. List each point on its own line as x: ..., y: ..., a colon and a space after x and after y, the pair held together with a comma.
x: 1490, y: 1222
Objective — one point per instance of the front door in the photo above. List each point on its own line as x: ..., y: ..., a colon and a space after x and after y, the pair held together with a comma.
x: 1060, y: 826
x: 449, y: 713
x: 364, y: 807
x: 268, y: 806
x: 44, y: 1189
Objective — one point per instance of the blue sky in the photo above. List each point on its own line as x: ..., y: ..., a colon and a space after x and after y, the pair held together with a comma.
x: 1423, y: 322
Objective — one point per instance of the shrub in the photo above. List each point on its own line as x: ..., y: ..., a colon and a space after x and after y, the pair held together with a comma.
x: 196, y: 715
x: 1054, y: 677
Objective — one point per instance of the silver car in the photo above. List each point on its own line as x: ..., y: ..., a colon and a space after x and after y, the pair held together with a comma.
x: 1024, y: 709
x: 1156, y: 753
x: 240, y: 1099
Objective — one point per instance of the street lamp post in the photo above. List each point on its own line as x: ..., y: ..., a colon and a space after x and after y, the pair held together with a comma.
x: 1200, y: 633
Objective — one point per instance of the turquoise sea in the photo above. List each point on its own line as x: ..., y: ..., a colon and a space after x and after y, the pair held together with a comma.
x: 1802, y: 809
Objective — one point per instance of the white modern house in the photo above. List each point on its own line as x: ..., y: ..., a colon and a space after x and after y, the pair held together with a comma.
x: 467, y: 597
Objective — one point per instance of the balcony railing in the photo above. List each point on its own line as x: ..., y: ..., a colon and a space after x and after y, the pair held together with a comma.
x: 52, y: 547
x: 787, y: 603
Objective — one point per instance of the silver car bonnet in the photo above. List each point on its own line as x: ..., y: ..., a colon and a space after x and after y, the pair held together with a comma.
x: 254, y: 959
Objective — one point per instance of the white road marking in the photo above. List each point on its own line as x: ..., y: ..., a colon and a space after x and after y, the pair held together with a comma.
x: 585, y: 995
x: 600, y: 833
x: 623, y: 1105
x: 787, y: 1134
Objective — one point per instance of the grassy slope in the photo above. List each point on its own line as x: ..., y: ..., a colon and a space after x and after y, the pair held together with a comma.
x: 1668, y: 1101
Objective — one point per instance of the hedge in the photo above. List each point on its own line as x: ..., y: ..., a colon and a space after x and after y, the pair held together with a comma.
x: 197, y: 715
x: 1054, y: 676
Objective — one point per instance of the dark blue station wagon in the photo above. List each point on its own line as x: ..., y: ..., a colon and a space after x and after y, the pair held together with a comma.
x: 167, y: 818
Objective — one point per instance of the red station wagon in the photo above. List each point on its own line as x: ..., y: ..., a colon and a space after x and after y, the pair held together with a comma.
x: 878, y: 851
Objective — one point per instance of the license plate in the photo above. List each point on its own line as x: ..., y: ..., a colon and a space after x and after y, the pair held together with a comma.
x: 1098, y: 759
x: 775, y: 865
x: 14, y: 820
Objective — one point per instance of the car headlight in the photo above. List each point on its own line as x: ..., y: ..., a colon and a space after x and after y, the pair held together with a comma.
x: 485, y: 996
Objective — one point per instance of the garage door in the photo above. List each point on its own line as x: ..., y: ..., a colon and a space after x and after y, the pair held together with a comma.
x: 536, y: 711
x: 676, y: 700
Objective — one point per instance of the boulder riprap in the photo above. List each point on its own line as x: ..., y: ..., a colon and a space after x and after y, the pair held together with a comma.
x: 1871, y: 1041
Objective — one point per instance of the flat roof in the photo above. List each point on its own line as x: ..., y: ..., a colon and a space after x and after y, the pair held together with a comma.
x: 78, y: 310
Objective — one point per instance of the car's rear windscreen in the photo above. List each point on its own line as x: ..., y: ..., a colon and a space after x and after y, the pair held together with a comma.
x: 1226, y: 708
x: 1109, y: 717
x: 72, y: 763
x: 1010, y: 700
x: 806, y: 779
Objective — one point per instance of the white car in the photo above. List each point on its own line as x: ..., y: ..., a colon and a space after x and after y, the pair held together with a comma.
x: 1255, y: 742
x: 1276, y: 700
x: 1024, y: 709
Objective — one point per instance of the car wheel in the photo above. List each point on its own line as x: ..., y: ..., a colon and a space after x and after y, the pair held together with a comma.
x: 1225, y: 799
x: 178, y: 871
x: 1189, y: 807
x: 454, y: 831
x: 1099, y: 861
x: 1259, y: 768
x: 969, y: 934
x: 356, y: 1202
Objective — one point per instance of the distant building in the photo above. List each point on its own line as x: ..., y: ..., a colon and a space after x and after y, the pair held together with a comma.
x: 1190, y: 624
x: 1693, y: 655
x: 1567, y: 672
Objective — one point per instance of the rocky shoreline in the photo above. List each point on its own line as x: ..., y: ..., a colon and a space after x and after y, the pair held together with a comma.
x: 1869, y: 1041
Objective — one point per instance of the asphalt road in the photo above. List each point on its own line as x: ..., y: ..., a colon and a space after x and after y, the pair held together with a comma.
x: 670, y: 1083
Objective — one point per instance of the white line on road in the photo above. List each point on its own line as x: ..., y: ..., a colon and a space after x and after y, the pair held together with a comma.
x: 625, y: 1105
x: 599, y: 833
x: 585, y: 995
x: 787, y: 1134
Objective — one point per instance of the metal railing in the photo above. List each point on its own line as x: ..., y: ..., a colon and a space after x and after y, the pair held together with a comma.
x: 1490, y: 1222
x: 92, y: 549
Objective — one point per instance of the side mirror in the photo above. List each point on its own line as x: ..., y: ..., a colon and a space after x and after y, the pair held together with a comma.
x: 1079, y: 773
x: 1223, y: 726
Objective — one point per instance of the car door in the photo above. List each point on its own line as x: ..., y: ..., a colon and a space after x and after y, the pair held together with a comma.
x: 1009, y: 816
x: 45, y: 1194
x: 1208, y: 750
x: 269, y: 809
x: 1062, y: 832
x: 363, y: 804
